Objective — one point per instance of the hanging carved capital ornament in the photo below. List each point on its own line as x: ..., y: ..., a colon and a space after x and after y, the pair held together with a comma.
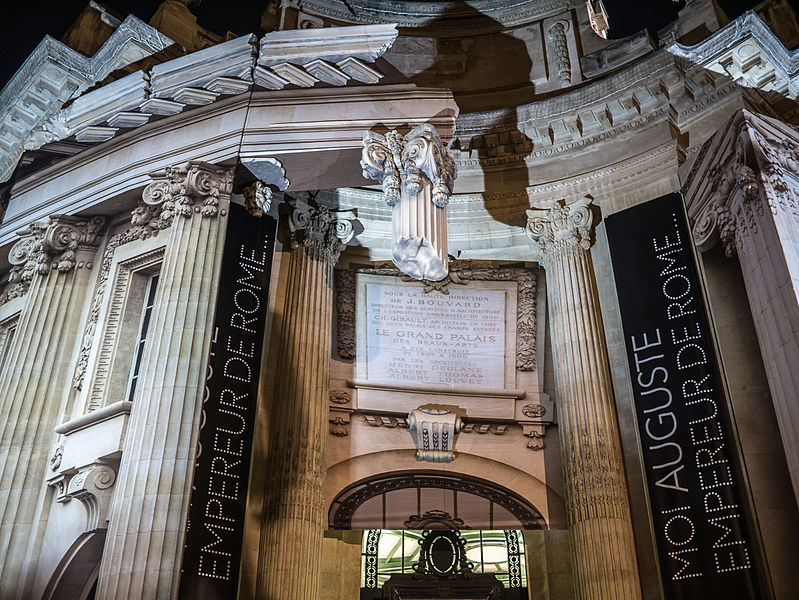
x: 258, y: 198
x: 417, y: 172
x: 433, y: 431
x: 322, y: 231
x: 182, y: 190
x: 47, y: 245
x: 560, y: 230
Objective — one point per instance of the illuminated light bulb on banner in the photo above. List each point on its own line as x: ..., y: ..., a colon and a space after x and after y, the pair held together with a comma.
x: 417, y: 173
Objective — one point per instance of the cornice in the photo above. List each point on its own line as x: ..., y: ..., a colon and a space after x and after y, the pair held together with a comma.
x: 476, y: 15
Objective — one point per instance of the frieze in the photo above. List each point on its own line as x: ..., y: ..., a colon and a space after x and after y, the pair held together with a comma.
x: 525, y: 313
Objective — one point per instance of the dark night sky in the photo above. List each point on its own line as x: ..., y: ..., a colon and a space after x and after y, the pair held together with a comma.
x: 27, y: 21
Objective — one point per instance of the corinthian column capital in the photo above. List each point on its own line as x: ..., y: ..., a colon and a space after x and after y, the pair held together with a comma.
x: 50, y: 244
x: 405, y: 161
x: 323, y: 232
x: 192, y: 187
x: 561, y: 229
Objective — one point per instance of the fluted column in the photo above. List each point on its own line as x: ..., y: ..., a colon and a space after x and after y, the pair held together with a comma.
x: 148, y: 516
x: 294, y: 511
x: 752, y: 207
x: 600, y: 528
x: 53, y: 262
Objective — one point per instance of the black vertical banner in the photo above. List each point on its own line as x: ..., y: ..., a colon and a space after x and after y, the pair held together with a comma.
x: 704, y: 540
x: 212, y: 552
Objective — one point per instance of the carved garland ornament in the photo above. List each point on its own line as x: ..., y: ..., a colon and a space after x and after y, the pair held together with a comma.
x: 525, y: 307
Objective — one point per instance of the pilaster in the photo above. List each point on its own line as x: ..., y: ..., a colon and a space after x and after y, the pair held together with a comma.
x: 747, y: 196
x: 148, y: 515
x: 600, y: 528
x: 52, y: 263
x: 294, y: 510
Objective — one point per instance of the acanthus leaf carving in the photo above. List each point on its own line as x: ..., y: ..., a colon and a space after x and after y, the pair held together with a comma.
x: 564, y: 228
x: 47, y: 245
x: 180, y: 190
x: 322, y: 231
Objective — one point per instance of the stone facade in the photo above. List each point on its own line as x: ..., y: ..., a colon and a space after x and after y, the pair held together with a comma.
x: 444, y: 346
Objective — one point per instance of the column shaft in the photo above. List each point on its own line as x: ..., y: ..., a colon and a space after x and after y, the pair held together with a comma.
x: 289, y: 560
x: 34, y: 399
x: 600, y: 527
x: 148, y: 515
x: 294, y: 509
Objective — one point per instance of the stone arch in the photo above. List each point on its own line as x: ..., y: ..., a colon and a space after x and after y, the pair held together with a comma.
x: 544, y: 498
x: 77, y: 572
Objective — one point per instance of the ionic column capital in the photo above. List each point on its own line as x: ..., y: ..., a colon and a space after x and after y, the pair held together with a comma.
x: 191, y: 187
x: 322, y: 231
x: 403, y: 163
x: 561, y: 229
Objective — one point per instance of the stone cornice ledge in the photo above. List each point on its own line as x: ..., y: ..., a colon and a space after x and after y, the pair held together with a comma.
x: 438, y: 390
x: 98, y: 416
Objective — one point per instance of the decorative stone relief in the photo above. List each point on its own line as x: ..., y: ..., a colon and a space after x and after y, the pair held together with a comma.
x: 414, y: 169
x: 561, y: 230
x: 258, y: 198
x: 389, y: 421
x: 92, y: 486
x: 557, y: 36
x: 525, y: 312
x: 534, y: 410
x: 323, y: 232
x: 340, y: 396
x: 47, y: 245
x: 345, y: 312
x: 433, y: 431
x: 55, y: 460
x: 434, y: 517
x: 598, y: 479
x: 754, y: 171
x: 338, y: 426
x: 180, y: 190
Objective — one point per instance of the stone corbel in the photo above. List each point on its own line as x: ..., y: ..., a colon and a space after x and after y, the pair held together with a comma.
x: 92, y: 486
x: 433, y: 431
x: 339, y: 420
x: 182, y: 190
x: 414, y: 170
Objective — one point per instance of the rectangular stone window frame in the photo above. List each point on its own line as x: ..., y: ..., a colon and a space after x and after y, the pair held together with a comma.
x: 118, y: 324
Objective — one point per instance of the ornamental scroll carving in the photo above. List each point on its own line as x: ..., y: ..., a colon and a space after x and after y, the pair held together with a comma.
x: 49, y: 245
x: 181, y: 190
x: 754, y: 171
x: 397, y: 160
x: 525, y: 312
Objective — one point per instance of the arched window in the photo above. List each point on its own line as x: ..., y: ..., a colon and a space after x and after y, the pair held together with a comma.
x: 431, y: 500
x: 388, y: 552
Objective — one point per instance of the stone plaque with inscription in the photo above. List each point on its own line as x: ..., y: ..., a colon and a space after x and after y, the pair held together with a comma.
x: 457, y: 339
